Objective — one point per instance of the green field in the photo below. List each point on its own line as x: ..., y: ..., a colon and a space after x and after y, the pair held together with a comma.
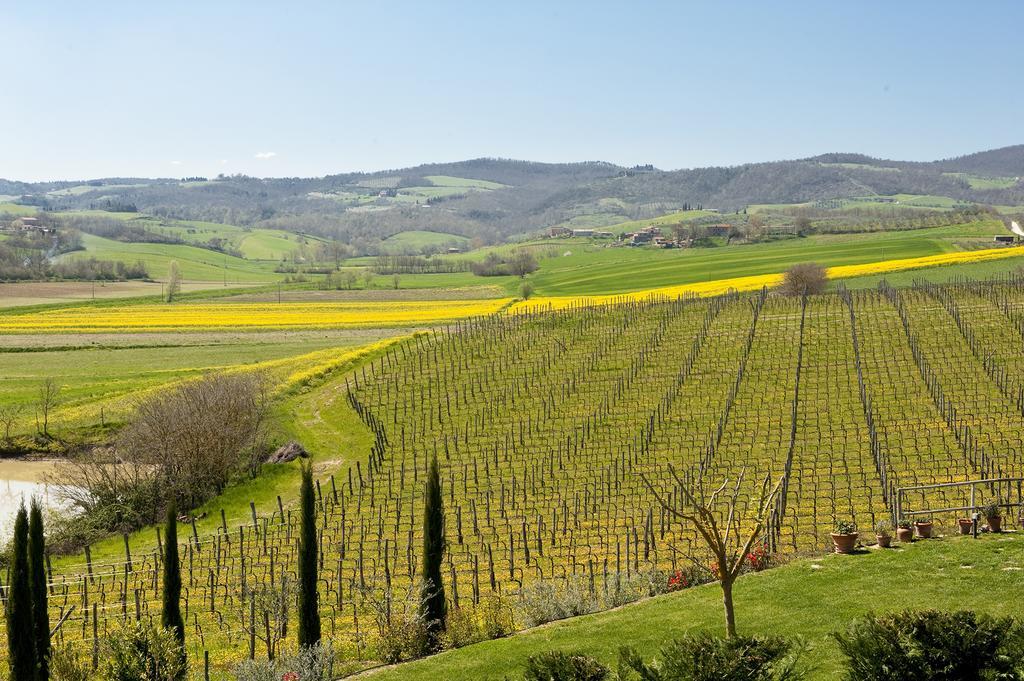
x: 810, y: 598
x: 17, y: 209
x: 595, y: 271
x: 465, y: 183
x: 254, y: 244
x: 197, y: 264
x: 984, y: 182
x: 416, y: 240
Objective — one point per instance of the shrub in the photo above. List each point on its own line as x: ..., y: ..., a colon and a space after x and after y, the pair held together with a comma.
x: 991, y: 511
x: 883, y: 528
x: 143, y: 653
x: 703, y: 657
x: 405, y: 637
x: 66, y: 666
x: 556, y: 665
x: 182, y: 445
x: 801, y: 279
x: 311, y: 663
x: 933, y: 645
x: 547, y: 601
x: 489, y: 619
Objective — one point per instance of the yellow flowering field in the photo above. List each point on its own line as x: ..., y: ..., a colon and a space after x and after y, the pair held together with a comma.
x: 956, y: 258
x: 213, y: 315
x: 756, y: 282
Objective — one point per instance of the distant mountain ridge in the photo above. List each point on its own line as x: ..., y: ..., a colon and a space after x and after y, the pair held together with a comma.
x: 494, y: 199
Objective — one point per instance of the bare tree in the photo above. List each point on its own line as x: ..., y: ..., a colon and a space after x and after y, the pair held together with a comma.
x: 263, y: 611
x: 9, y: 415
x: 173, y: 280
x: 722, y: 538
x: 804, y: 279
x: 49, y: 396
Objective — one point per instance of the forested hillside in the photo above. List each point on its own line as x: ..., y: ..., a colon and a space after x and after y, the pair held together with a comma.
x: 496, y: 199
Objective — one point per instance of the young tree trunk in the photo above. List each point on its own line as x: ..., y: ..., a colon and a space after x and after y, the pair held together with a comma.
x: 730, y: 611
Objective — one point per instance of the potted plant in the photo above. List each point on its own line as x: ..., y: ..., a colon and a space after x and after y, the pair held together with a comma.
x: 904, y: 531
x: 966, y: 525
x: 923, y: 525
x: 882, y: 530
x: 844, y: 537
x: 993, y: 516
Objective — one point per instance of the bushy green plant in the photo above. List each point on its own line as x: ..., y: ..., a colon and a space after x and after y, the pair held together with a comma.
x: 930, y: 645
x: 844, y: 526
x: 883, y: 528
x: 66, y: 666
x: 904, y: 524
x: 556, y: 665
x: 991, y: 511
x: 489, y: 619
x: 922, y: 520
x: 405, y: 637
x: 549, y: 600
x: 703, y: 657
x: 311, y: 663
x: 143, y: 653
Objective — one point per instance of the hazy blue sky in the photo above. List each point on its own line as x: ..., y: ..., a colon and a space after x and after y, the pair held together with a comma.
x: 294, y: 88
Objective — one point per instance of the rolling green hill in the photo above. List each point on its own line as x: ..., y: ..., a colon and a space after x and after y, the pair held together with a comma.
x: 416, y: 240
x: 590, y: 270
x: 197, y: 264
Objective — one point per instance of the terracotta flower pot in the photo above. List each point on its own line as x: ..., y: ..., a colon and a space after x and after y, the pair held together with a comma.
x: 966, y: 524
x: 844, y: 543
x: 995, y: 524
x: 884, y: 540
x: 905, y: 535
x: 924, y: 530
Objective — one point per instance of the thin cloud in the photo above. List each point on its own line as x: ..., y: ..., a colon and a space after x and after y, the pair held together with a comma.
x: 265, y: 154
x: 175, y: 163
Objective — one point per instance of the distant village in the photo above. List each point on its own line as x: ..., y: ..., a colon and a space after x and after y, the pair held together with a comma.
x: 27, y: 226
x: 650, y: 235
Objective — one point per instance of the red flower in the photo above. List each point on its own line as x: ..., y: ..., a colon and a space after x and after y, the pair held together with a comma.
x: 677, y: 581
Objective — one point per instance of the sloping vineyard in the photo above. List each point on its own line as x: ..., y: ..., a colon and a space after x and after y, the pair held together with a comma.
x: 544, y: 422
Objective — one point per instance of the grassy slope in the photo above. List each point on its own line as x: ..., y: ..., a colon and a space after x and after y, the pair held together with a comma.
x: 597, y: 271
x: 98, y: 373
x: 197, y: 264
x: 417, y: 239
x: 809, y: 598
x: 297, y: 416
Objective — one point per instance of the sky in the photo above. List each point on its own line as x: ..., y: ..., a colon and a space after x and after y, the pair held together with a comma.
x: 122, y: 89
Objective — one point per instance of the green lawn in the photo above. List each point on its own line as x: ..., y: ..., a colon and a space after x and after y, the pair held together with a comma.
x: 809, y: 598
x: 197, y: 264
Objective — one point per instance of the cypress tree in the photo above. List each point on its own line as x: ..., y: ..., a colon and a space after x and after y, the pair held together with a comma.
x: 309, y: 613
x: 171, y: 616
x: 37, y: 580
x: 433, y: 607
x: 21, y: 650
